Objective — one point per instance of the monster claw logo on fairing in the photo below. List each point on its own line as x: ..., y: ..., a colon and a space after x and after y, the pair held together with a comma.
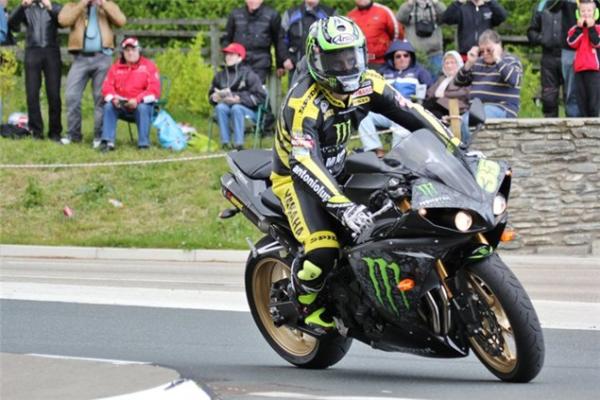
x: 383, y: 284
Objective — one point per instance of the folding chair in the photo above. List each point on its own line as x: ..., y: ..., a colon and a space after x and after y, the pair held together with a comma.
x: 259, y: 125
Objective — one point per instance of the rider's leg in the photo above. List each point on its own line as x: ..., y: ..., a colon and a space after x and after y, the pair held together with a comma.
x: 313, y: 227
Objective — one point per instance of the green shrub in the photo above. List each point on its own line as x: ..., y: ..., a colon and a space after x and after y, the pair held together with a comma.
x: 530, y: 84
x: 190, y: 78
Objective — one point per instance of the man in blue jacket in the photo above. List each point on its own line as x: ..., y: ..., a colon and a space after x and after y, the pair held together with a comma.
x: 407, y: 76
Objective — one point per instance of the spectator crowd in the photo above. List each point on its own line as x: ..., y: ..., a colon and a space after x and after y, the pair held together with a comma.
x: 405, y: 47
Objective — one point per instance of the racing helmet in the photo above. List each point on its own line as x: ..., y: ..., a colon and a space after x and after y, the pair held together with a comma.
x: 336, y: 54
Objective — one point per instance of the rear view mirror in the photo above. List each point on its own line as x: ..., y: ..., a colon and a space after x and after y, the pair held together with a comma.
x: 476, y: 113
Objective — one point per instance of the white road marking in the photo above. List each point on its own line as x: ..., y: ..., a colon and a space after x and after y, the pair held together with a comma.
x: 143, y: 297
x: 552, y: 314
x: 287, y: 395
x: 101, y: 360
x: 183, y: 389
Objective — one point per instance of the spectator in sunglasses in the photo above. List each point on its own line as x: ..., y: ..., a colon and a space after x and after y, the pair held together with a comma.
x: 407, y: 76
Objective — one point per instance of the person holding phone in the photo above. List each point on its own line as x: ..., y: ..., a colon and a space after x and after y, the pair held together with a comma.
x: 131, y: 88
x: 584, y: 37
x: 495, y: 78
x: 91, y: 42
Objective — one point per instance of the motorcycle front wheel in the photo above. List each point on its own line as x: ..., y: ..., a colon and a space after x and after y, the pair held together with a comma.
x: 510, y: 344
x: 296, y: 347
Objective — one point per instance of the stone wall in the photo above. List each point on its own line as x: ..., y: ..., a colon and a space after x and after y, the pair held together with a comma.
x: 555, y: 197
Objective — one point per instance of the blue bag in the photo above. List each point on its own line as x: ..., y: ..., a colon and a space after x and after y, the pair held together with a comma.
x: 170, y: 135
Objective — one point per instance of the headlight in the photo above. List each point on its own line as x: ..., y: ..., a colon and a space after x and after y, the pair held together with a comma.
x: 499, y: 204
x: 463, y: 221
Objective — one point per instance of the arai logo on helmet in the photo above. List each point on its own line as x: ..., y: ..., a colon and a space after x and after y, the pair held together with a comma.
x: 343, y: 38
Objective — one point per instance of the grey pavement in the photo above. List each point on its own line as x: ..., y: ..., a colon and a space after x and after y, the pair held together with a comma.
x: 54, y: 378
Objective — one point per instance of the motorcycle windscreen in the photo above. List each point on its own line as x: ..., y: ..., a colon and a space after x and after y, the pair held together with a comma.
x: 424, y: 153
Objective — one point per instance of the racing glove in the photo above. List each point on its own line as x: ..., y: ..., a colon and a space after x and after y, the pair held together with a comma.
x: 357, y: 218
x: 354, y: 216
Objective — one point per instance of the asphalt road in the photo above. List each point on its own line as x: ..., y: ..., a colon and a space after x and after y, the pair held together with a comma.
x: 224, y: 353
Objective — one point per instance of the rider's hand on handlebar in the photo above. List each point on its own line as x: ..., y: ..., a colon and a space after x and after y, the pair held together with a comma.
x: 357, y: 218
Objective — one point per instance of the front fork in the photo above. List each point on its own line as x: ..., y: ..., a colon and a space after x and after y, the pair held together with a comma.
x: 457, y: 288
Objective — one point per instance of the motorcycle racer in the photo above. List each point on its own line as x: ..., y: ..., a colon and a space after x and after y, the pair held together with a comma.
x: 325, y: 105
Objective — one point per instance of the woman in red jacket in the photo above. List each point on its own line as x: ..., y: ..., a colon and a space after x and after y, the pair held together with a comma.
x: 585, y: 39
x: 131, y: 88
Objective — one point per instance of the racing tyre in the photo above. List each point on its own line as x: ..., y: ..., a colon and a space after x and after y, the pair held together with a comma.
x: 511, y: 344
x: 296, y: 347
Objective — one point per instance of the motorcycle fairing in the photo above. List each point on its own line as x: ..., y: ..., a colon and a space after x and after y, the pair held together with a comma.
x: 380, y: 266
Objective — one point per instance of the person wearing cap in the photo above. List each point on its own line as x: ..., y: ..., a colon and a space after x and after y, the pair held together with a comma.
x: 131, y: 88
x: 236, y: 92
x: 91, y: 42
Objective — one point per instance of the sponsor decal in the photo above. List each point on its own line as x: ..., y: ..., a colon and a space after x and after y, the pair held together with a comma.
x: 292, y: 213
x: 363, y: 91
x: 360, y: 100
x: 343, y: 38
x: 332, y: 161
x: 323, y: 237
x: 324, y: 106
x: 433, y: 201
x: 481, y: 252
x: 427, y: 189
x: 330, y: 113
x: 342, y: 131
x: 313, y: 183
x: 304, y: 141
x: 383, y: 284
x: 487, y: 175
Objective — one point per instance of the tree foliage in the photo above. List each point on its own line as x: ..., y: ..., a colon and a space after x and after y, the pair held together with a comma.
x: 519, y: 10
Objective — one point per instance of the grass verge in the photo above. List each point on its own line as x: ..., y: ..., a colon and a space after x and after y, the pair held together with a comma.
x: 171, y: 205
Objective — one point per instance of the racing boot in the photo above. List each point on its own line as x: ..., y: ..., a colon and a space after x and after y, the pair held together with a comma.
x: 315, y: 314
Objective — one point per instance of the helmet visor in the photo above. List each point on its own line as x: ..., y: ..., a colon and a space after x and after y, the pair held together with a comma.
x: 342, y: 62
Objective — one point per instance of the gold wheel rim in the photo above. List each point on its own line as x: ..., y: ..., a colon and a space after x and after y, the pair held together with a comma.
x: 506, y: 361
x: 293, y: 341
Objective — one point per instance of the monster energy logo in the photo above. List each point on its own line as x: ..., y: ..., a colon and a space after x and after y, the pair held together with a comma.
x: 427, y: 189
x: 481, y: 252
x: 384, y: 267
x: 342, y: 131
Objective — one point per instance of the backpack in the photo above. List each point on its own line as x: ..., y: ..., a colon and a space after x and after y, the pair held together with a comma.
x: 170, y: 135
x: 11, y: 131
x: 424, y: 28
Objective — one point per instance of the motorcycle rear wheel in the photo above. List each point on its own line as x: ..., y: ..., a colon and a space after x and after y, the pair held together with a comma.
x: 296, y: 347
x: 509, y: 322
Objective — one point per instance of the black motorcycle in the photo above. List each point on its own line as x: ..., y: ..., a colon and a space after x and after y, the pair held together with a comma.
x: 425, y: 279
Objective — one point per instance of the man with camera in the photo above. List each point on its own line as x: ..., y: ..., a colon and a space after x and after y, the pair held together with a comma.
x: 91, y: 41
x: 131, y: 88
x: 495, y: 78
x: 42, y: 55
x: 421, y: 19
